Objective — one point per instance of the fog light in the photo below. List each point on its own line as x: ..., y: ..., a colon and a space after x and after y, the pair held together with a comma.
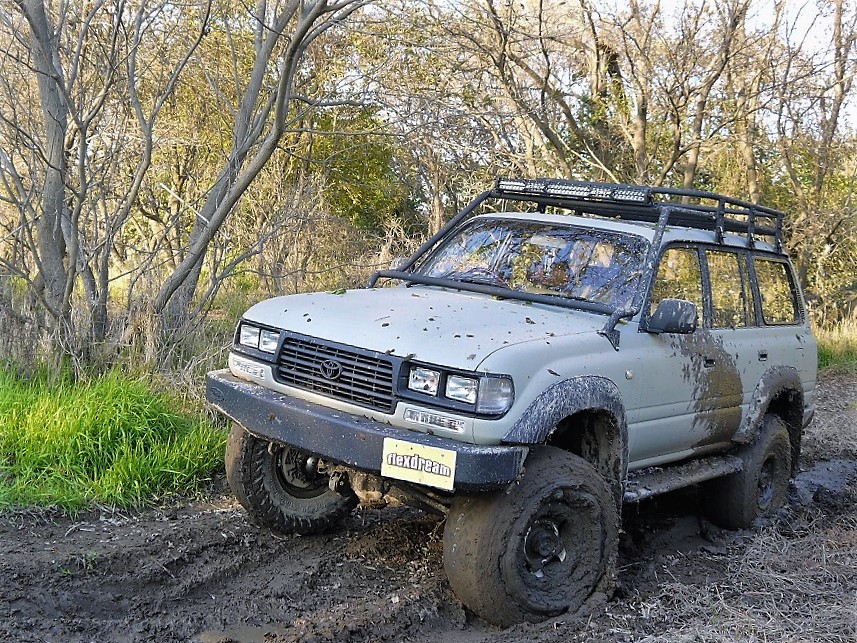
x: 248, y: 368
x: 435, y: 420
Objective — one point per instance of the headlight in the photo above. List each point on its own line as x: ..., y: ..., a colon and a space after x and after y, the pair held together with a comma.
x: 249, y: 335
x: 484, y: 394
x: 268, y: 340
x: 255, y: 337
x: 463, y: 389
x: 496, y: 395
x: 423, y: 380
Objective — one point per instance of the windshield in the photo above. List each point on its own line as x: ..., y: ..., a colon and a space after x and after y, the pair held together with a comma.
x: 542, y: 258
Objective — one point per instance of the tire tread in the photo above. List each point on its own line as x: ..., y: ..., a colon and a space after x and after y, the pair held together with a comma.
x: 731, y: 501
x: 479, y: 528
x: 249, y: 465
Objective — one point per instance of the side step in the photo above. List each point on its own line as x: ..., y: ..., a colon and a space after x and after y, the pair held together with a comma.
x: 657, y: 480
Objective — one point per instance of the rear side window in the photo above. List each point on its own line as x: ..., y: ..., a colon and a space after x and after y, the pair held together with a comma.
x: 679, y: 277
x: 777, y: 292
x: 730, y: 305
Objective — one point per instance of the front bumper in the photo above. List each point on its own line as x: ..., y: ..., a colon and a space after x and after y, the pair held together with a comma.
x: 351, y: 440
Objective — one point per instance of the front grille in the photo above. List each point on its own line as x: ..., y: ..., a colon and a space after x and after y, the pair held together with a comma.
x: 338, y: 372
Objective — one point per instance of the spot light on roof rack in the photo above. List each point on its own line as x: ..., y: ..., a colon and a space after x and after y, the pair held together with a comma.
x: 586, y: 190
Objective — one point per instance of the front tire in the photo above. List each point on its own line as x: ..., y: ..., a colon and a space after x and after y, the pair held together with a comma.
x: 280, y: 487
x: 736, y: 500
x: 540, y: 549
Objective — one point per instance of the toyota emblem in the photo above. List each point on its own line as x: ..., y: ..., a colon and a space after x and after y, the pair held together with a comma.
x: 330, y: 369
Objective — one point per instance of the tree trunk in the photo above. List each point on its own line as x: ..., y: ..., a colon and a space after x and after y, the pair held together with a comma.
x: 51, y: 244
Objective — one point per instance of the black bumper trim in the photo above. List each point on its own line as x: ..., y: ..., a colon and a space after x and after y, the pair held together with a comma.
x: 348, y: 439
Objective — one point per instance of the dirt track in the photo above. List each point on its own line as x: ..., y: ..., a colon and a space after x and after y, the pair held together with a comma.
x: 201, y: 572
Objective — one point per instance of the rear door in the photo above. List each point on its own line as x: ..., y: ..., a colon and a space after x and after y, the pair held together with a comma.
x: 785, y: 336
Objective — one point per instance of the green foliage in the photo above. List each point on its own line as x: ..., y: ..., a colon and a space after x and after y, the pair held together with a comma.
x: 837, y: 346
x: 110, y: 441
x: 349, y: 149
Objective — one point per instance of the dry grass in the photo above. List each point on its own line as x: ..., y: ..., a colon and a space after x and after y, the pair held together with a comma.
x: 837, y: 345
x: 782, y: 587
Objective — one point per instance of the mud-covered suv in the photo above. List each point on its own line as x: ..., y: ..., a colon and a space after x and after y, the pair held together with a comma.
x: 559, y: 348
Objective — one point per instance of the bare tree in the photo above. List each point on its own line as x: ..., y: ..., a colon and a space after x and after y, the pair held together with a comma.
x: 282, y: 32
x: 84, y: 89
x: 58, y: 166
x: 809, y: 96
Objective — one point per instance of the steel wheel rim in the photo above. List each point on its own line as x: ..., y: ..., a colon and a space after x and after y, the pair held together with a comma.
x: 544, y: 548
x: 297, y: 474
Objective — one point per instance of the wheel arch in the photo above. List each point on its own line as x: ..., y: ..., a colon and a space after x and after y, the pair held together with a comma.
x: 779, y: 392
x: 585, y: 416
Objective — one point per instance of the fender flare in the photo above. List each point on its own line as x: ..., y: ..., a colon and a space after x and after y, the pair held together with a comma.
x: 564, y: 399
x: 776, y: 381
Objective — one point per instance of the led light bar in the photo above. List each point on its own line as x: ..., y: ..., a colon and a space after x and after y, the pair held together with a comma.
x: 511, y: 185
x: 568, y: 189
x: 637, y: 195
x: 586, y: 190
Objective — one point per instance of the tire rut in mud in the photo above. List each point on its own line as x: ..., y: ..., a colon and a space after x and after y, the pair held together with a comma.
x: 170, y: 576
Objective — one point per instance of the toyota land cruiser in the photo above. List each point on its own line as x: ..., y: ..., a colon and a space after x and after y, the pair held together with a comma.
x: 558, y: 349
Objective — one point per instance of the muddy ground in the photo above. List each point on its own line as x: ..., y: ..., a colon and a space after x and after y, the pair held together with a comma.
x: 197, y: 570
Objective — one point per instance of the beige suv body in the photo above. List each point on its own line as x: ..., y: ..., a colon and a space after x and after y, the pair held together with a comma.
x: 537, y: 365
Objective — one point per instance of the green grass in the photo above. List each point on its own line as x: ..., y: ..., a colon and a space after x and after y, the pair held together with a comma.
x: 112, y: 441
x: 837, y: 346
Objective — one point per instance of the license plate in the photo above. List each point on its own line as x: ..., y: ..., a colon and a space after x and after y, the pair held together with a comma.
x: 418, y: 463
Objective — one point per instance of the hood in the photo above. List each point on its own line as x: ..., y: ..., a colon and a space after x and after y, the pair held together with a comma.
x: 445, y: 327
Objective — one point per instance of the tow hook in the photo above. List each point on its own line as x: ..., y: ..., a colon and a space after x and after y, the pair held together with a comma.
x: 338, y: 482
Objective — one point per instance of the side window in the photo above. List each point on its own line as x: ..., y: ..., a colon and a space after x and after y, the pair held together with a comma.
x: 730, y: 306
x: 679, y: 277
x: 776, y: 292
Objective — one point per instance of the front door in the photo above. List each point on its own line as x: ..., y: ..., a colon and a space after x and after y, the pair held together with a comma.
x: 692, y: 396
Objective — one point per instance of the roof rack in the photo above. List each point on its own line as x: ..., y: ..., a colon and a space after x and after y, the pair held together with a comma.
x: 690, y: 208
x: 711, y: 211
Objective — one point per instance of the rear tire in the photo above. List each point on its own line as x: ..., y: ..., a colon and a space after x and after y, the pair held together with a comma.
x: 736, y: 500
x: 280, y: 487
x: 537, y: 551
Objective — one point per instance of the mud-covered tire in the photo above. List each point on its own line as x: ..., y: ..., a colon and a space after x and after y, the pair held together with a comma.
x: 273, y: 483
x: 538, y: 550
x: 736, y: 500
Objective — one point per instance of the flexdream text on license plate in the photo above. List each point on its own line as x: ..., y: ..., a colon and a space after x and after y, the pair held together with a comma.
x: 418, y: 463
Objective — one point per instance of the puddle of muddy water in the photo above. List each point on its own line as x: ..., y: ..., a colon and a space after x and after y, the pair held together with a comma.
x: 830, y: 475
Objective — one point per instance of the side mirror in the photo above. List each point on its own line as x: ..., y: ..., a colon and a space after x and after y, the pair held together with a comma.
x: 673, y: 316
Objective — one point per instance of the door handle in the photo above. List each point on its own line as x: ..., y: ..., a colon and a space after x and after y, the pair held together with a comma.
x: 708, y: 362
